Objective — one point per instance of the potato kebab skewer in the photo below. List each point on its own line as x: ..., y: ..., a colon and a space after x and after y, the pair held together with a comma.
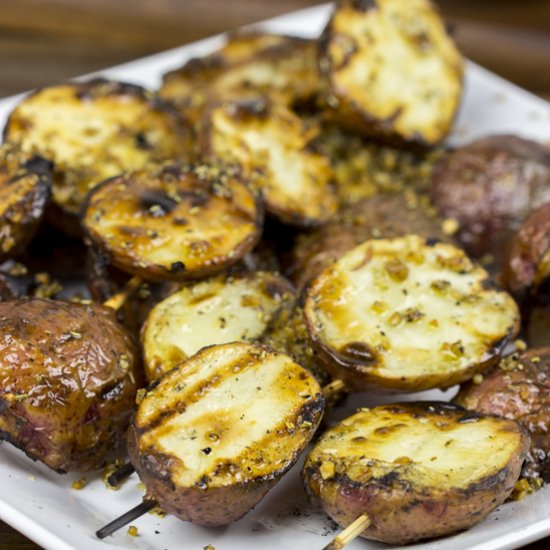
x: 232, y: 419
x: 218, y: 310
x: 406, y: 472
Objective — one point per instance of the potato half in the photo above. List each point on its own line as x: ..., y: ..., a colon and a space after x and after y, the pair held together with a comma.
x: 408, y: 314
x: 68, y: 380
x: 280, y: 67
x: 216, y: 311
x: 94, y: 130
x: 25, y: 185
x: 392, y: 70
x: 273, y: 147
x: 174, y: 223
x: 213, y: 435
x: 418, y: 470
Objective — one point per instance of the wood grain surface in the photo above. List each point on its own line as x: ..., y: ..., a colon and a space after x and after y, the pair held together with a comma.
x: 46, y: 41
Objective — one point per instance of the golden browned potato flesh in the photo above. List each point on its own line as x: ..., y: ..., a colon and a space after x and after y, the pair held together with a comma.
x: 283, y: 68
x: 68, y: 380
x: 213, y: 435
x: 407, y: 314
x: 223, y: 309
x: 391, y: 69
x: 517, y: 388
x: 25, y: 185
x: 489, y: 187
x: 95, y: 130
x: 385, y: 215
x: 273, y: 148
x: 417, y: 470
x: 174, y: 223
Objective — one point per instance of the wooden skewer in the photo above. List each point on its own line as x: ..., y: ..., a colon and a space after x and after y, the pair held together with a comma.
x: 352, y: 531
x: 117, y: 300
x: 146, y: 505
x: 333, y: 390
x: 118, y: 476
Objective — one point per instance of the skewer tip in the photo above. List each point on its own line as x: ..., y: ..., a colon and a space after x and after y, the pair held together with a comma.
x: 352, y: 531
x: 118, y: 476
x: 142, y: 508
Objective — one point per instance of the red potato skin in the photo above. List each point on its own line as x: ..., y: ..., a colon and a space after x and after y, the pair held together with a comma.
x: 402, y: 513
x: 519, y: 389
x: 68, y: 378
x: 525, y: 266
x: 380, y: 216
x: 201, y: 505
x: 490, y: 186
x: 418, y: 517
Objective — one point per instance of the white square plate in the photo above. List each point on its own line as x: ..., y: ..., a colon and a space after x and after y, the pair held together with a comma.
x: 41, y: 503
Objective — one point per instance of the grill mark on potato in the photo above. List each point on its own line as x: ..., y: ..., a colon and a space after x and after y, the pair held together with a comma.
x: 301, y: 420
x: 190, y: 395
x: 151, y: 198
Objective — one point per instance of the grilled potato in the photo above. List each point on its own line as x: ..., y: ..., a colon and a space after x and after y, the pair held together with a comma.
x: 280, y: 67
x: 25, y: 184
x: 517, y: 388
x: 68, y: 379
x: 213, y: 435
x: 407, y: 314
x: 94, y: 130
x: 273, y: 147
x: 216, y: 311
x: 380, y: 216
x: 417, y: 470
x: 489, y: 187
x: 526, y: 264
x: 173, y: 223
x: 391, y: 70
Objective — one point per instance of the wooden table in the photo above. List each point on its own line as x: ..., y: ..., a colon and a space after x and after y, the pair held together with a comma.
x: 43, y: 42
